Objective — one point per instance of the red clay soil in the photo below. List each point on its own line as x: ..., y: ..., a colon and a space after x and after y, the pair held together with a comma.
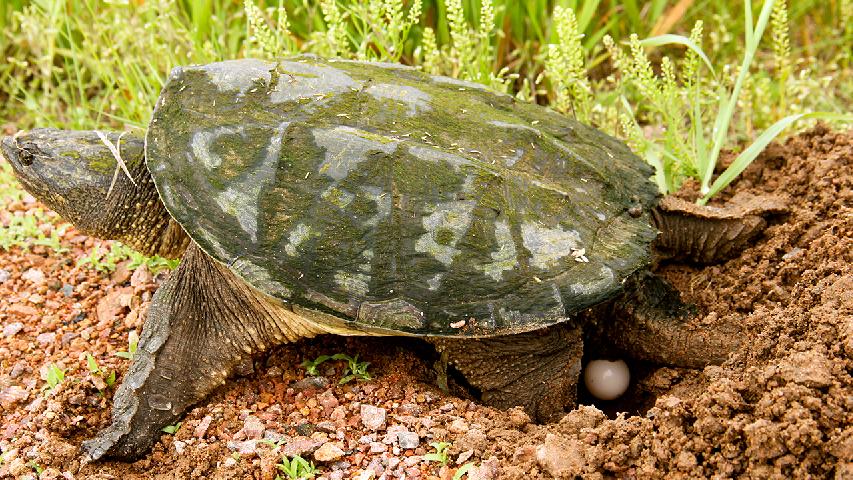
x: 780, y: 407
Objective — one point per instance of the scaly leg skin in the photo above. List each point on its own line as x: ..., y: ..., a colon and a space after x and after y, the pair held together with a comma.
x: 650, y: 322
x: 537, y: 370
x: 204, y: 324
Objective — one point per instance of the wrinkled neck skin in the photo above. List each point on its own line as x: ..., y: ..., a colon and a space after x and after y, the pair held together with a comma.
x: 76, y: 174
x: 135, y: 216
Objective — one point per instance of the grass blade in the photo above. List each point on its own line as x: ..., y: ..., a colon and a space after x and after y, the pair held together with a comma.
x: 669, y: 38
x: 750, y: 153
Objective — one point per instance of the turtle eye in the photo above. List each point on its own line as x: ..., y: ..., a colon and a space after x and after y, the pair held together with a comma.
x: 27, y: 153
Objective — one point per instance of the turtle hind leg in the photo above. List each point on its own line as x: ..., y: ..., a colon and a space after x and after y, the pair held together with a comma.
x: 650, y: 322
x: 203, y: 326
x: 537, y: 370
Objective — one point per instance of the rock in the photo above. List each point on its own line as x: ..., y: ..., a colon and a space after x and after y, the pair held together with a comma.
x: 45, y: 339
x: 23, y: 310
x: 179, y: 446
x: 464, y: 457
x: 275, y: 437
x: 327, y: 427
x: 488, y: 470
x: 246, y: 447
x: 299, y: 446
x: 560, y: 457
x: 67, y: 290
x: 328, y: 452
x: 372, y: 417
x: 12, y: 329
x: 517, y: 417
x: 11, y: 395
x: 809, y: 368
x: 328, y: 401
x: 141, y: 277
x: 34, y: 276
x: 377, y: 447
x: 408, y: 440
x: 458, y: 426
x: 4, y: 275
x: 473, y: 439
x: 121, y: 274
x: 202, y: 427
x: 309, y: 383
x: 253, y: 428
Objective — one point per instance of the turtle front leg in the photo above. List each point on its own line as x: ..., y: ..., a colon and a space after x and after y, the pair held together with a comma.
x: 204, y: 324
x: 536, y: 370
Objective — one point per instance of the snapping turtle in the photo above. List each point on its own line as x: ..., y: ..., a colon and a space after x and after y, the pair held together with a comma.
x: 310, y: 196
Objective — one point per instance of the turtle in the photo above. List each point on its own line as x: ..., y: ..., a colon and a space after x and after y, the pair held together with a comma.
x: 309, y: 196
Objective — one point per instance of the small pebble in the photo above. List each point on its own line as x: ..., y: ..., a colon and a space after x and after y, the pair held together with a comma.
x: 34, y: 276
x: 408, y: 440
x: 4, y: 275
x: 328, y: 452
x: 12, y: 329
x: 372, y: 417
x: 253, y: 427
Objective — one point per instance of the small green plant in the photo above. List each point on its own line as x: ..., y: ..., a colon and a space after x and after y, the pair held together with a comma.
x: 36, y: 467
x: 100, y: 378
x: 296, y: 468
x: 172, y: 429
x: 107, y: 261
x: 53, y: 376
x: 462, y: 471
x: 691, y: 153
x: 132, y: 342
x: 311, y: 366
x: 440, y: 454
x: 355, y: 370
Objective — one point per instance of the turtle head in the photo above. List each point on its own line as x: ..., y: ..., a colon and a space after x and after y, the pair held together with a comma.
x: 72, y: 171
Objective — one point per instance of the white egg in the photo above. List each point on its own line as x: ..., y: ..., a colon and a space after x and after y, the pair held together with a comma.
x: 606, y: 380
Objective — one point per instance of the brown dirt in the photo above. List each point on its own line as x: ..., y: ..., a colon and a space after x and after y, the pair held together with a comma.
x: 780, y: 407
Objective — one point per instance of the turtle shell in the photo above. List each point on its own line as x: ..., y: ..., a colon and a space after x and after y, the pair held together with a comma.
x: 382, y: 199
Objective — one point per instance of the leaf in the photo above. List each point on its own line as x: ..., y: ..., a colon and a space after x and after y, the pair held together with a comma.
x: 751, y: 152
x: 91, y: 363
x: 462, y: 471
x: 172, y: 429
x: 669, y: 38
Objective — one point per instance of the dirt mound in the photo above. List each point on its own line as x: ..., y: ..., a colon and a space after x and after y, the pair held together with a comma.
x: 780, y: 407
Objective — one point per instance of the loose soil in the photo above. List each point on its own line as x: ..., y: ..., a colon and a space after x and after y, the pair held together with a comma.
x: 780, y: 407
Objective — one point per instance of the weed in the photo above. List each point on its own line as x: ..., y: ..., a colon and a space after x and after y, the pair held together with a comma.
x: 310, y: 366
x: 565, y: 64
x: 355, y: 370
x: 462, y: 471
x: 36, y: 468
x: 107, y: 261
x: 296, y: 468
x: 53, y: 375
x: 99, y: 378
x: 172, y: 429
x: 690, y: 153
x: 440, y: 454
x: 132, y: 342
